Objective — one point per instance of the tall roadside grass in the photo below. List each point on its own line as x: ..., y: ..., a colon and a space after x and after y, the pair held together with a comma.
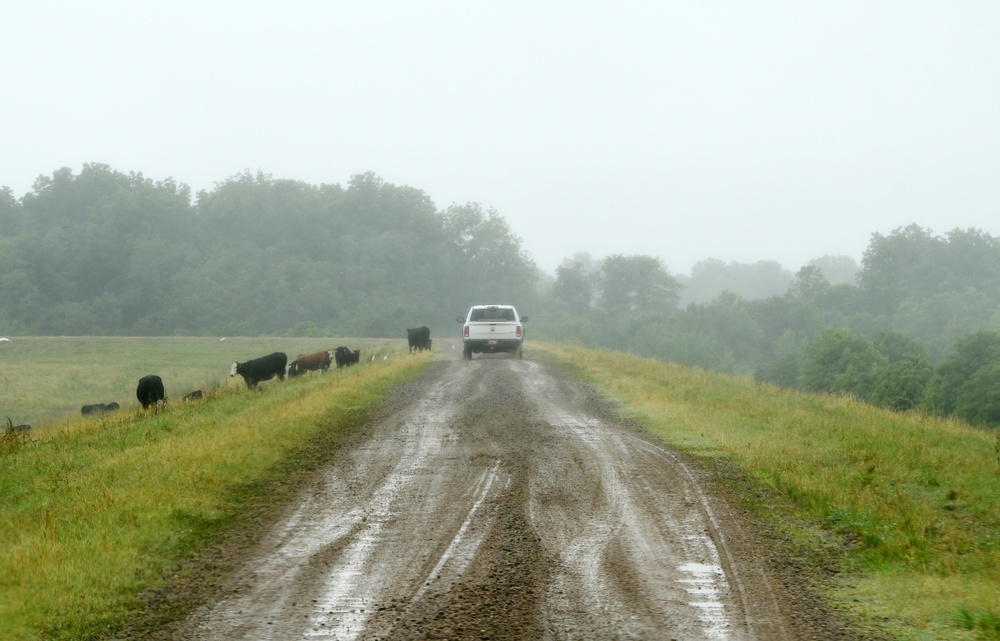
x: 92, y: 513
x: 920, y: 497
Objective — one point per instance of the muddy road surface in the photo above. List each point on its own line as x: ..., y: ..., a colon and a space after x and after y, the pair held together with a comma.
x: 494, y: 500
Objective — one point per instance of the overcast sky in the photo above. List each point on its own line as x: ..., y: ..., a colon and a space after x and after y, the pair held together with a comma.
x: 741, y: 131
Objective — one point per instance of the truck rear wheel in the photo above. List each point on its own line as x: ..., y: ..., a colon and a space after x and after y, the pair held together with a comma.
x: 467, y: 352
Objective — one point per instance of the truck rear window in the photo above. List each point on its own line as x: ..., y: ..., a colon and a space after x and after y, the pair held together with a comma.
x: 492, y: 315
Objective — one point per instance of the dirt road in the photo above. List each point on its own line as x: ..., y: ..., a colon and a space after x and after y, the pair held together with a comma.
x: 494, y: 500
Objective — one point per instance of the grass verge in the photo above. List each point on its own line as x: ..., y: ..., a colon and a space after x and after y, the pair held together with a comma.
x: 918, y: 497
x: 96, y: 514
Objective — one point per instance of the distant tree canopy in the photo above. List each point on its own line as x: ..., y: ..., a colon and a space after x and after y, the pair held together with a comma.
x: 894, y: 332
x: 105, y: 253
x: 917, y: 325
x: 712, y: 277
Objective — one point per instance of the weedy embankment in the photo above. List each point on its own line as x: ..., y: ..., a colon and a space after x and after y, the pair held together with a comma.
x: 94, y: 515
x: 913, y: 502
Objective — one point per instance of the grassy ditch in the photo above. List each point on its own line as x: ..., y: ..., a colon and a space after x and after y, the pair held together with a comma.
x: 93, y: 513
x: 920, y: 497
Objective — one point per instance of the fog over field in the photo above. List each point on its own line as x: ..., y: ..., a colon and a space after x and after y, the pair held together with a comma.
x: 761, y: 131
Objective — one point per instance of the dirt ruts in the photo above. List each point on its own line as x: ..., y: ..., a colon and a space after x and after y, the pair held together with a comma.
x: 493, y: 499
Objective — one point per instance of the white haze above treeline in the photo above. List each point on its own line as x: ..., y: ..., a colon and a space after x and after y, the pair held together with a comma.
x: 765, y: 131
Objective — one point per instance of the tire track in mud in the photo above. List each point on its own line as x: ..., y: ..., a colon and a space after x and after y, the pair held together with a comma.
x: 496, y: 506
x: 392, y: 512
x: 648, y: 558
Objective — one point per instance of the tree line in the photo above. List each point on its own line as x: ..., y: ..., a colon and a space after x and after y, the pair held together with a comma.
x: 915, y: 327
x: 107, y: 253
x: 101, y: 252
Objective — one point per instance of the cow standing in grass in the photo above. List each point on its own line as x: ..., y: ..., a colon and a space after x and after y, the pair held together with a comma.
x: 419, y: 338
x: 345, y: 357
x: 150, y: 391
x: 310, y: 362
x: 261, y: 369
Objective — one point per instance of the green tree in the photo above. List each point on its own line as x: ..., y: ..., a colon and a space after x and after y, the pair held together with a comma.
x: 637, y: 284
x: 10, y: 214
x: 896, y: 347
x: 972, y: 260
x: 486, y: 259
x: 896, y: 266
x: 900, y: 381
x: 837, y: 270
x: 913, y: 264
x: 728, y: 327
x: 710, y: 278
x: 972, y: 353
x: 900, y: 385
x: 978, y: 401
x: 840, y: 361
x: 574, y: 287
x: 784, y: 370
x: 810, y: 285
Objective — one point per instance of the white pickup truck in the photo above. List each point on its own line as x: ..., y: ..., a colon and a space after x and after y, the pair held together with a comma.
x: 492, y: 328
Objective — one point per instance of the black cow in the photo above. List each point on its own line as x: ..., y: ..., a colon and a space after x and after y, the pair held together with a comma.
x: 345, y: 357
x: 98, y: 408
x: 150, y: 392
x: 261, y: 369
x: 419, y: 338
x: 195, y: 395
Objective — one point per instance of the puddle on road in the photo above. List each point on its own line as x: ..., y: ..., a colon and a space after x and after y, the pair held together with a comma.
x: 705, y: 591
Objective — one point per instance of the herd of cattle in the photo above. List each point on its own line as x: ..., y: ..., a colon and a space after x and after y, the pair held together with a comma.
x: 150, y: 391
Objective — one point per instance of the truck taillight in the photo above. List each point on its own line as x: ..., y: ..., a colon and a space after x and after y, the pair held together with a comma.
x: 466, y: 331
x: 519, y: 331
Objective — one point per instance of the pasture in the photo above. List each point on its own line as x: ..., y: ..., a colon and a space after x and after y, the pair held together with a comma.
x: 96, y: 511
x: 48, y: 379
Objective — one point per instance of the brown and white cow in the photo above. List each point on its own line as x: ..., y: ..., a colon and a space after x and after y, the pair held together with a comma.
x: 310, y: 362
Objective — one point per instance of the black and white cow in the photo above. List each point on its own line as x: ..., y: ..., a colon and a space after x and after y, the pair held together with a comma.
x: 150, y: 392
x: 261, y: 369
x: 419, y: 338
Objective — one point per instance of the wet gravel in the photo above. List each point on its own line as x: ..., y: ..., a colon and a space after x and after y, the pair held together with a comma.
x: 500, y: 501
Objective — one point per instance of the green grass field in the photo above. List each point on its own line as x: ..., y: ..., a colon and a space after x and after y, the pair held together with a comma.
x: 45, y: 379
x: 93, y: 511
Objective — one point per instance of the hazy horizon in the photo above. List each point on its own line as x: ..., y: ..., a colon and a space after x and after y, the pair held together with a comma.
x: 773, y: 131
